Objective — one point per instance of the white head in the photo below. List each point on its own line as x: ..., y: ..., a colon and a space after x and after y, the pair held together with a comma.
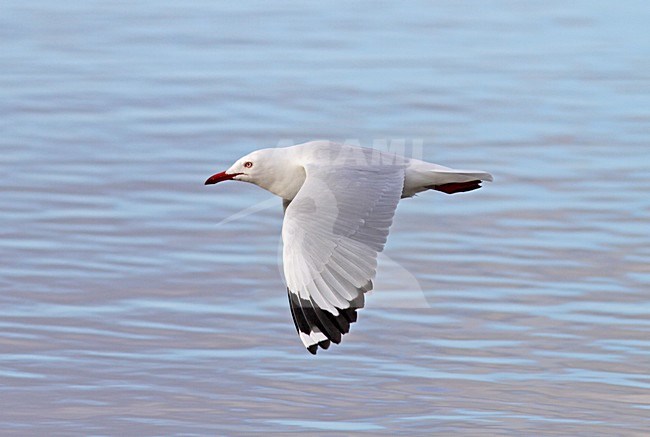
x: 249, y: 168
x: 267, y: 168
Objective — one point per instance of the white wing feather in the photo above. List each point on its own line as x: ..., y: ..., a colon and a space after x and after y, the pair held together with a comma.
x: 332, y: 232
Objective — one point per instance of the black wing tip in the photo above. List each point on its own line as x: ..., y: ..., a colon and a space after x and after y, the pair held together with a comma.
x: 313, y: 349
x: 325, y: 344
x: 308, y: 318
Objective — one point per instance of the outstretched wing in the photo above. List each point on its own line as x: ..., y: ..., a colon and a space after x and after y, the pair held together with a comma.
x: 332, y: 232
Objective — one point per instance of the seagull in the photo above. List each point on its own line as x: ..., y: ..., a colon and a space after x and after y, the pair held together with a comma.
x: 339, y: 201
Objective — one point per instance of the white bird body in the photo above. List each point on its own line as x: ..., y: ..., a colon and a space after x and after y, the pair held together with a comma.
x: 339, y: 203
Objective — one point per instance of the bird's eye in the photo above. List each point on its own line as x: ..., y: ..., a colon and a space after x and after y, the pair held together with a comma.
x: 248, y: 164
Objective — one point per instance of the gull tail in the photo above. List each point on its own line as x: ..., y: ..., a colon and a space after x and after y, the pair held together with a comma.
x: 458, y: 181
x: 422, y: 176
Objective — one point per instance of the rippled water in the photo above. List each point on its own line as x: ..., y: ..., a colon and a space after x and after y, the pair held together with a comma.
x: 125, y: 307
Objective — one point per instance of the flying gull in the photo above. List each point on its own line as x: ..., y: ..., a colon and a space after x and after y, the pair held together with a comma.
x: 339, y: 201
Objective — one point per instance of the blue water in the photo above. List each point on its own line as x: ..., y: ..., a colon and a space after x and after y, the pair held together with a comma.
x: 127, y: 308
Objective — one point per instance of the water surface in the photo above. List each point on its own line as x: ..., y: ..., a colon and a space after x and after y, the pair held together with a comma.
x: 520, y: 309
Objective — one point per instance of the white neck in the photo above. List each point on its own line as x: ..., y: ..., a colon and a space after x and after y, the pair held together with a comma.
x: 283, y: 175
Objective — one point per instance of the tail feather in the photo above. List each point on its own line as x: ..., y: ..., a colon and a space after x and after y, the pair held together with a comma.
x: 421, y: 176
x: 453, y: 175
x: 459, y: 181
x: 456, y: 187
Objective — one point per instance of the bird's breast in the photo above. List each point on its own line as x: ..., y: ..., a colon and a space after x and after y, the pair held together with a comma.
x: 286, y: 184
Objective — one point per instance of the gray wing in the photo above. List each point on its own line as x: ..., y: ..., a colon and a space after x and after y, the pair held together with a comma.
x: 332, y: 232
